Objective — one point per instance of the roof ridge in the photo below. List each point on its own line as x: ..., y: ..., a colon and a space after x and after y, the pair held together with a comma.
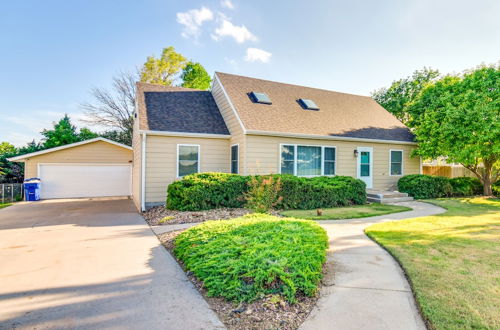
x: 144, y: 85
x: 294, y: 85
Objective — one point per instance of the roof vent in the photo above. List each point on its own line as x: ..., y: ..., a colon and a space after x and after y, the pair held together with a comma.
x: 308, y: 104
x: 260, y: 98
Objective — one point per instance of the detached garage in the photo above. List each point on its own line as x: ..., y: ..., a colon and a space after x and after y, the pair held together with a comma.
x: 94, y: 168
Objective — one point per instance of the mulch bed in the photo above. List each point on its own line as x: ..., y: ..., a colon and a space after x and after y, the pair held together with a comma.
x: 155, y: 215
x: 267, y: 313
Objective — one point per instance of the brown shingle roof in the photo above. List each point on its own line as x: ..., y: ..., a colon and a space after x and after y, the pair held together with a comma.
x: 177, y: 109
x: 340, y: 114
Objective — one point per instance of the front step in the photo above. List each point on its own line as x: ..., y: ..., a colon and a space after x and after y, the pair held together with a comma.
x: 386, y: 197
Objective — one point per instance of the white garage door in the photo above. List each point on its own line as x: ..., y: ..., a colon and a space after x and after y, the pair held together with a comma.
x: 84, y: 180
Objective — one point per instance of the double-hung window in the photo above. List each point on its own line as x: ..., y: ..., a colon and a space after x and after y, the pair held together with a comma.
x: 234, y: 159
x: 188, y: 159
x: 396, y: 162
x: 307, y: 160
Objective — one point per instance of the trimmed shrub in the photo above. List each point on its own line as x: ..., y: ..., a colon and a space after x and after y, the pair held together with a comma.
x: 320, y: 192
x: 205, y: 191
x: 465, y: 186
x: 247, y: 258
x: 422, y: 186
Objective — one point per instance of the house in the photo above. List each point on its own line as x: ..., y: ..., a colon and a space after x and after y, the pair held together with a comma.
x: 254, y: 126
x: 93, y: 168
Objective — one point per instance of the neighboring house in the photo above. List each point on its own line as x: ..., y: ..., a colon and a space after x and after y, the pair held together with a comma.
x: 253, y: 126
x: 93, y: 168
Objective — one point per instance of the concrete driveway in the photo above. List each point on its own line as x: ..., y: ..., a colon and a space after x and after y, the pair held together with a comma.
x: 91, y: 264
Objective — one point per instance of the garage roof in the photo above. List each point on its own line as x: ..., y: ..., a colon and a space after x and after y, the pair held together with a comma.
x: 46, y: 151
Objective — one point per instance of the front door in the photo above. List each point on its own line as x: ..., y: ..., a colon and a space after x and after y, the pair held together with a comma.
x: 365, y: 165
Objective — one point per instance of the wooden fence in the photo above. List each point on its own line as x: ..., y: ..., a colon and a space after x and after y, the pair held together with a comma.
x: 447, y: 171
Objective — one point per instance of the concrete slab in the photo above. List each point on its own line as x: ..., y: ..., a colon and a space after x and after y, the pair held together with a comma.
x: 81, y: 264
x: 368, y: 289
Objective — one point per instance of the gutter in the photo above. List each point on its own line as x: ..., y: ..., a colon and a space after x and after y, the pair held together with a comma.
x: 324, y: 137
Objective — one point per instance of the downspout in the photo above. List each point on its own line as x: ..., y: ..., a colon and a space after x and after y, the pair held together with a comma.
x: 143, y: 172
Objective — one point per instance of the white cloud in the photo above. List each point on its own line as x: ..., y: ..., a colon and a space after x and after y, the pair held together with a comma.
x: 256, y: 54
x: 227, y: 4
x: 193, y: 19
x: 228, y: 29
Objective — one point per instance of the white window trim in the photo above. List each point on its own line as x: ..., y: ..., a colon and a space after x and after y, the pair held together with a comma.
x: 237, y: 159
x: 402, y: 162
x: 295, y: 158
x: 199, y: 156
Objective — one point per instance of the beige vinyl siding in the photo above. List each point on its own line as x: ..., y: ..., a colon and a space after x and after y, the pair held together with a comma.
x: 96, y: 152
x: 232, y: 123
x: 161, y: 161
x: 137, y: 163
x: 263, y: 157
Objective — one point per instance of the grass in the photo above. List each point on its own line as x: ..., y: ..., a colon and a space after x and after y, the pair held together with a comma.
x: 349, y: 212
x: 2, y: 205
x: 246, y: 258
x: 452, y: 260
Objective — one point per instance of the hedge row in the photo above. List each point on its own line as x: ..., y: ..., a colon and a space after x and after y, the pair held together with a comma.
x: 426, y: 186
x: 204, y: 191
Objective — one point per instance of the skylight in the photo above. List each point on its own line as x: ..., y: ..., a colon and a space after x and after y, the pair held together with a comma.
x: 260, y: 98
x: 308, y: 104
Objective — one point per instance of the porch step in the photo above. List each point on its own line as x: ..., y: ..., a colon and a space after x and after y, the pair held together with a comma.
x: 386, y: 197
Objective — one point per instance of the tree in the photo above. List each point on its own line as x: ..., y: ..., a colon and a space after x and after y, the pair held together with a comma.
x: 64, y: 133
x: 460, y: 120
x: 6, y: 147
x: 123, y: 137
x: 195, y: 76
x: 114, y: 109
x: 163, y: 70
x: 403, y: 92
x: 12, y: 171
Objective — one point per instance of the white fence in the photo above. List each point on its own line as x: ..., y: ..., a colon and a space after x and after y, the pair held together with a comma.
x: 11, y: 192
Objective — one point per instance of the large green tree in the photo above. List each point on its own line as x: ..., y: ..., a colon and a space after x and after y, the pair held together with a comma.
x: 64, y: 132
x: 165, y: 69
x: 460, y: 120
x: 397, y: 97
x: 195, y: 76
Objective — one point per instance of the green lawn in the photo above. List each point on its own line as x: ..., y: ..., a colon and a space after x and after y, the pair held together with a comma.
x: 2, y: 205
x: 349, y: 212
x: 452, y: 260
x: 246, y: 258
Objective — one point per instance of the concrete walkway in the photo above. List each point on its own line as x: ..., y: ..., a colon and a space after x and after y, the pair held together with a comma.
x: 81, y: 264
x: 368, y: 289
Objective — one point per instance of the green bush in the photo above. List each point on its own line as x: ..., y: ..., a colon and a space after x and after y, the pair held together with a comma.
x: 496, y: 188
x: 246, y: 258
x: 425, y: 186
x: 205, y: 191
x: 465, y: 186
x: 263, y: 193
x: 320, y: 192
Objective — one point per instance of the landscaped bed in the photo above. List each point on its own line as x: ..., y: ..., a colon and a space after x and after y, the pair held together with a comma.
x: 350, y: 212
x: 452, y: 261
x: 257, y: 271
x: 159, y: 215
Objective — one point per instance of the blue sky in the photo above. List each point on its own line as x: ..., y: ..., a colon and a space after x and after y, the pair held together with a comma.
x: 54, y: 52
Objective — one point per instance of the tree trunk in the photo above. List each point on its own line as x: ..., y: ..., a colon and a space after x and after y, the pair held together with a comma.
x: 488, y: 166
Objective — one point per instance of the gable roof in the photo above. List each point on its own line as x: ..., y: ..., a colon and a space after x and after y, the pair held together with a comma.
x: 178, y: 109
x: 340, y: 115
x: 67, y: 146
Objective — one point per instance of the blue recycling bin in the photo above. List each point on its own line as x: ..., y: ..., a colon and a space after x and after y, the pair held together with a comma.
x: 32, y: 189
